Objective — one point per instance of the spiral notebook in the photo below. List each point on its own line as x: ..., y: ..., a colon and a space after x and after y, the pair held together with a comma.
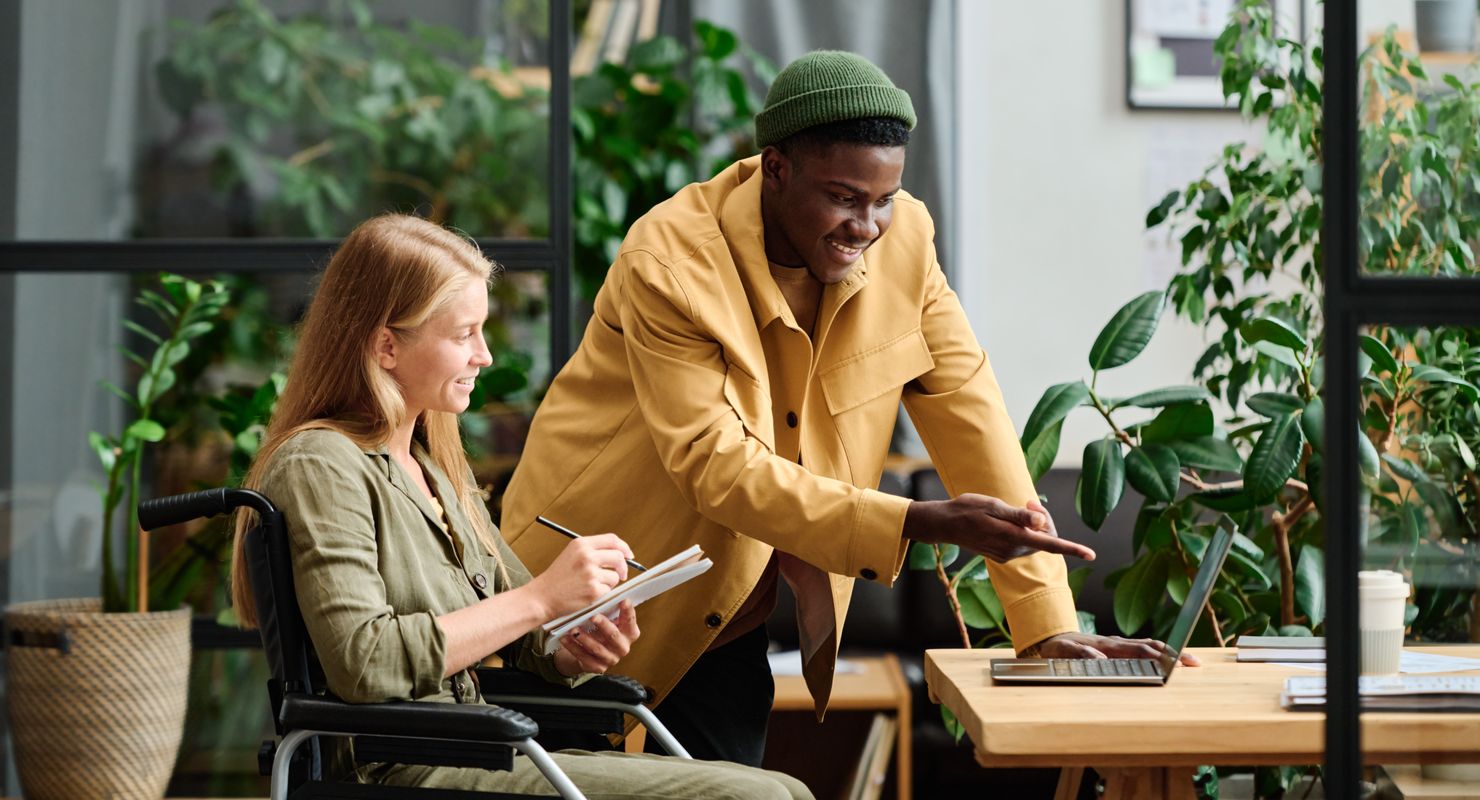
x: 658, y: 579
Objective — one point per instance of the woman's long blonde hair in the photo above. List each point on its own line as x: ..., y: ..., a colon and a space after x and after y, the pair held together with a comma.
x: 392, y: 271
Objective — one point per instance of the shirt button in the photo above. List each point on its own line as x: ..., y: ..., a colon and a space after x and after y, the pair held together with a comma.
x: 791, y: 419
x: 713, y: 620
x: 480, y: 581
x: 867, y: 574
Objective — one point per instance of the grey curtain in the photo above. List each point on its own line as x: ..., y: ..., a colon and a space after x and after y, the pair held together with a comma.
x: 912, y: 40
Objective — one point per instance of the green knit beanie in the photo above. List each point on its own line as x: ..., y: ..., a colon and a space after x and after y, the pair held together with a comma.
x: 828, y: 86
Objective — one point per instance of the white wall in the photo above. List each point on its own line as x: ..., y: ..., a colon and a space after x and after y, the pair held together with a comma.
x: 1056, y: 175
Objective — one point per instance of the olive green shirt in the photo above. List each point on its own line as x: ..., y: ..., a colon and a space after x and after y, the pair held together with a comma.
x: 374, y: 565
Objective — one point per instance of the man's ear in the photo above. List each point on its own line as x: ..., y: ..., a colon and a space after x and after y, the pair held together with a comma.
x: 383, y: 345
x: 776, y: 168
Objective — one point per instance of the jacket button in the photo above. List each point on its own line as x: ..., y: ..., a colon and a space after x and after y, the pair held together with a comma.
x: 867, y: 574
x: 791, y: 419
x: 480, y: 581
x: 713, y: 620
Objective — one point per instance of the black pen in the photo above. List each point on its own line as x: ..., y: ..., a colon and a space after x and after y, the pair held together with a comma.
x: 558, y: 528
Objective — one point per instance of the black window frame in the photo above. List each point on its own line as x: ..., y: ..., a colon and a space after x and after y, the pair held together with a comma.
x: 551, y: 255
x: 1354, y: 300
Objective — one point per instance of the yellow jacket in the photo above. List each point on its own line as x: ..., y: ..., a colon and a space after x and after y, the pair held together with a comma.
x: 663, y: 428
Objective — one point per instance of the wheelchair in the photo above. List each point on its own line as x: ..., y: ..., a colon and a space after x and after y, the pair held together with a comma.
x: 521, y: 705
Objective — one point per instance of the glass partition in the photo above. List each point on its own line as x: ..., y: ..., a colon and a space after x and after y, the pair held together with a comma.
x: 1419, y: 182
x: 73, y: 335
x: 171, y: 119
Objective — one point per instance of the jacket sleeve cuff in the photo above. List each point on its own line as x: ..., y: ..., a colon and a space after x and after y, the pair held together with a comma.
x: 877, y: 548
x: 1040, y: 615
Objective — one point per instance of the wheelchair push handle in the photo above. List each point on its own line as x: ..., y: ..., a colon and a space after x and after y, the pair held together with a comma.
x: 162, y: 511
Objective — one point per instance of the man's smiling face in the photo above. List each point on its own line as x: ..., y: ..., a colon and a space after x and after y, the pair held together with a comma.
x: 823, y: 206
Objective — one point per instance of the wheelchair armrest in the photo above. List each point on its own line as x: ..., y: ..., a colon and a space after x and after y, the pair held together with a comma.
x: 473, y: 723
x: 611, y: 688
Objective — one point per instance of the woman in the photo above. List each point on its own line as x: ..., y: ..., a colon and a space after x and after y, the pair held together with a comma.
x: 404, y: 583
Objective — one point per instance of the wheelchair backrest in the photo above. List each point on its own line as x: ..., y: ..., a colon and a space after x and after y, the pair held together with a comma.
x: 284, y: 639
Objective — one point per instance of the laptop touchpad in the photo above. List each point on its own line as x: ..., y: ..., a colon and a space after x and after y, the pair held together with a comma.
x: 1024, y: 668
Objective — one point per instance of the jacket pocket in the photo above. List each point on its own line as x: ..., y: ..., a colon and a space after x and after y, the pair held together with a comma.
x: 858, y: 379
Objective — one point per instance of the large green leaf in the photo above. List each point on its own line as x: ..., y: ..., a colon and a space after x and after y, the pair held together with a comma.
x: 1275, y: 331
x: 1366, y: 455
x: 1169, y: 396
x: 922, y: 555
x: 1249, y: 567
x: 145, y: 429
x: 1225, y: 500
x: 1275, y: 404
x: 1139, y: 592
x: 1128, y: 332
x: 1274, y: 457
x: 1154, y: 471
x: 1405, y: 469
x: 980, y: 606
x: 1310, y: 584
x: 1208, y: 452
x: 1053, y: 406
x: 1179, y: 422
x: 1432, y: 375
x: 1313, y: 424
x: 1043, y: 450
x: 1279, y: 353
x: 1382, y: 358
x: 1101, y: 482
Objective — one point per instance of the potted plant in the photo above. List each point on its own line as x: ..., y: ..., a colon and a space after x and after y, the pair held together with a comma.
x: 1246, y: 438
x: 96, y: 687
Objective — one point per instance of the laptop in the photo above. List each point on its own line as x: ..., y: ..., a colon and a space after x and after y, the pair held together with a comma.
x: 1142, y: 671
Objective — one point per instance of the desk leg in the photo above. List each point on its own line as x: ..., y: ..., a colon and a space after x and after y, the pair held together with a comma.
x: 1152, y: 783
x: 1069, y: 780
x: 903, y: 756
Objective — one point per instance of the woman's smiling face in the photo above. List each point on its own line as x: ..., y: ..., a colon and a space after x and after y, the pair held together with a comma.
x: 436, y: 364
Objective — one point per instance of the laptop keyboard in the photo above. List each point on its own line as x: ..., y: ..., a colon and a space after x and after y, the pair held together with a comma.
x: 1105, y: 667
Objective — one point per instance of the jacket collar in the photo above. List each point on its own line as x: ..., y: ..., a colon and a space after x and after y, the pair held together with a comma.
x: 744, y: 231
x: 397, y: 477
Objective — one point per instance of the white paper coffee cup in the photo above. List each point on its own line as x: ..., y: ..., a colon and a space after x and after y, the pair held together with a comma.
x: 1383, y: 595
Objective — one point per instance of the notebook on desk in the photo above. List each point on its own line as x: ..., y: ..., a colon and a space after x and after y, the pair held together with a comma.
x: 1143, y: 671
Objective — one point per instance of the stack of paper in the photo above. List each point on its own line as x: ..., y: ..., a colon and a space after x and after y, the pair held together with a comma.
x: 1390, y: 692
x: 657, y: 580
x: 1284, y: 649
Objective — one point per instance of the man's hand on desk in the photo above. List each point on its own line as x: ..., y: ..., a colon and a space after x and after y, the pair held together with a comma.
x: 1090, y: 645
x: 989, y: 526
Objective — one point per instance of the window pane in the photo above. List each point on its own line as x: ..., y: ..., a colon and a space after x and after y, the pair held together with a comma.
x: 181, y: 119
x: 1420, y: 178
x: 71, y: 331
x: 1421, y: 503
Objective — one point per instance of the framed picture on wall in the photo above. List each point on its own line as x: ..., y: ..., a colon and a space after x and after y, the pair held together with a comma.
x: 1169, y: 56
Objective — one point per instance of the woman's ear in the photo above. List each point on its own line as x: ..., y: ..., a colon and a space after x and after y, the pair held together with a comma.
x: 383, y: 345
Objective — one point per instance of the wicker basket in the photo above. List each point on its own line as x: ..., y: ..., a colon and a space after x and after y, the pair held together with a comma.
x: 96, y: 701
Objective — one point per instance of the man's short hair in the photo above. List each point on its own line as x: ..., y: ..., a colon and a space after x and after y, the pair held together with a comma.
x: 867, y: 131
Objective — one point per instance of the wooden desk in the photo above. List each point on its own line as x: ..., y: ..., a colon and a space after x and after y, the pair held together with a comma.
x: 880, y: 686
x: 1146, y: 740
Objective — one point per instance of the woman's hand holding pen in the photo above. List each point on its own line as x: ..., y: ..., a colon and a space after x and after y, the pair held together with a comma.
x: 585, y: 570
x: 600, y: 646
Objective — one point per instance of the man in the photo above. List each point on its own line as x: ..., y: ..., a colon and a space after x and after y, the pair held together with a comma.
x: 738, y: 386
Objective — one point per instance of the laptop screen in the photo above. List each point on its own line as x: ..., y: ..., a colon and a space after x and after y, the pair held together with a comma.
x: 1197, y: 596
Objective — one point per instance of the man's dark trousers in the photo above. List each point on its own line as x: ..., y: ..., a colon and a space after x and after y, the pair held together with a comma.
x: 720, y: 708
